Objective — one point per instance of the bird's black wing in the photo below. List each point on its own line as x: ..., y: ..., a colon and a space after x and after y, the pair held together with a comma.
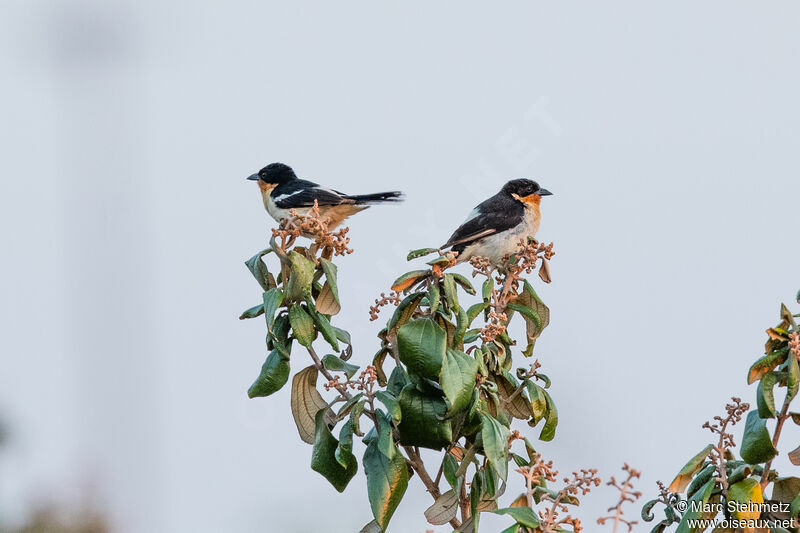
x: 302, y: 193
x: 495, y: 215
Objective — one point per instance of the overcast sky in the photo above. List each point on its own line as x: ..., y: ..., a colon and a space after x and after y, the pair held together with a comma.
x: 667, y: 132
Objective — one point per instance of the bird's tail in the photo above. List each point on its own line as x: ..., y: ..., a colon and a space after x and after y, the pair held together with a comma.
x: 377, y: 198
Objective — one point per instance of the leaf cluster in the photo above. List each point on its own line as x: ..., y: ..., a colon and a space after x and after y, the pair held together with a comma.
x: 437, y: 381
x: 715, y: 483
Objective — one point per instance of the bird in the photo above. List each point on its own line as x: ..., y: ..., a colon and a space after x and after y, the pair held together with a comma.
x: 497, y: 225
x: 283, y: 191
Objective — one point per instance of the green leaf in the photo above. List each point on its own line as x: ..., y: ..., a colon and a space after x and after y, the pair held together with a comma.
x: 766, y: 364
x: 793, y: 380
x: 736, y: 474
x: 344, y: 450
x: 343, y: 336
x: 405, y: 310
x: 756, y: 443
x: 387, y: 481
x: 535, y: 313
x: 538, y: 401
x: 434, y: 296
x: 486, y: 290
x: 385, y: 433
x: 259, y: 270
x: 306, y: 402
x: 377, y: 362
x: 450, y: 293
x: 355, y: 416
x: 423, y: 421
x: 747, y: 491
x: 442, y: 261
x: 256, y: 310
x: 273, y: 299
x: 647, y: 510
x: 330, y: 276
x: 465, y: 284
x: 701, y: 479
x: 302, y: 325
x: 695, y: 508
x: 413, y: 254
x: 523, y: 515
x: 795, y: 507
x: 274, y: 375
x: 765, y: 397
x: 421, y: 344
x: 495, y: 444
x: 443, y: 509
x: 397, y: 380
x: 323, y: 458
x: 475, y: 492
x: 457, y: 378
x: 461, y: 329
x: 550, y: 419
x: 688, y: 471
x: 474, y: 311
x: 300, y: 278
x: 409, y: 279
x: 335, y: 364
x: 324, y: 326
x: 391, y: 403
x: 449, y: 468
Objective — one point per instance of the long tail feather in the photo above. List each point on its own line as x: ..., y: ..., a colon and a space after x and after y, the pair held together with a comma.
x: 377, y: 198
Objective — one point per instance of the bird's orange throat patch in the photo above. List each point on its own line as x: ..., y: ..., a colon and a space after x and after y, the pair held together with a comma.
x: 532, y: 200
x: 266, y: 189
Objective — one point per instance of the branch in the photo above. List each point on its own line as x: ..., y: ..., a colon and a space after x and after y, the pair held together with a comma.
x: 782, y: 416
x: 415, y: 462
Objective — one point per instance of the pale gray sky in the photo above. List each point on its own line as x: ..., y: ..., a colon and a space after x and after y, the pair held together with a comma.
x: 668, y: 132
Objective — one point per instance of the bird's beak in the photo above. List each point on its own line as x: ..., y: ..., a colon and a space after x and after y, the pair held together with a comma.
x: 253, y: 177
x: 544, y: 192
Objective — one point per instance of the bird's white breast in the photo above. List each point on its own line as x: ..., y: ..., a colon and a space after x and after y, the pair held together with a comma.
x: 506, y: 242
x: 279, y: 213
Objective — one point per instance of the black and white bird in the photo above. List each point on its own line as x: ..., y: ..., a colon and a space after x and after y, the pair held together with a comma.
x: 283, y: 191
x: 496, y: 226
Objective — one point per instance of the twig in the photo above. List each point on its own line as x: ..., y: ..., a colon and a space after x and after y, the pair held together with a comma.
x: 782, y: 416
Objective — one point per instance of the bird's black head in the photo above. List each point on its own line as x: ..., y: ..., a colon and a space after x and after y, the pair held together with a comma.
x: 274, y: 174
x: 525, y: 190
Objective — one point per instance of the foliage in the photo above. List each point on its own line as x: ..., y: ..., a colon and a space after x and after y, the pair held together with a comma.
x: 714, y: 484
x: 443, y: 378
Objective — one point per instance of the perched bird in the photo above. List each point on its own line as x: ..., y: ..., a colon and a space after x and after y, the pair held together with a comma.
x: 282, y: 191
x: 496, y: 226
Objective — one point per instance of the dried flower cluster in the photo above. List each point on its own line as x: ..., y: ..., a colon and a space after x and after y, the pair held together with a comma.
x: 365, y: 382
x: 532, y: 252
x: 581, y: 482
x: 529, y: 254
x: 313, y: 226
x: 794, y: 344
x: 719, y: 426
x: 626, y: 494
x: 393, y: 298
x: 553, y: 518
x: 494, y: 327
